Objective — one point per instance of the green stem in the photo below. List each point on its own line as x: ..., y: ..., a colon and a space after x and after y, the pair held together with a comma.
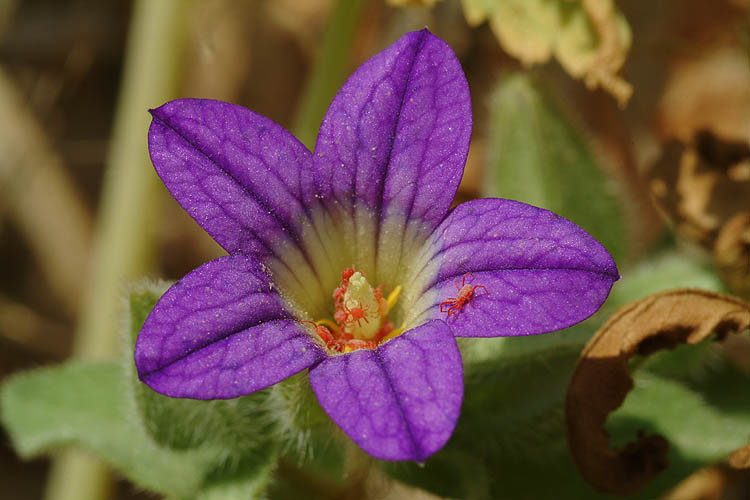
x: 330, y: 70
x: 124, y: 242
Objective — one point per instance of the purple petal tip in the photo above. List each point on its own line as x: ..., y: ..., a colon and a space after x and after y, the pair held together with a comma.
x: 400, y: 401
x: 221, y: 332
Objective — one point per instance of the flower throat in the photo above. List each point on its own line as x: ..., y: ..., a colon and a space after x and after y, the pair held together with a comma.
x: 360, y: 320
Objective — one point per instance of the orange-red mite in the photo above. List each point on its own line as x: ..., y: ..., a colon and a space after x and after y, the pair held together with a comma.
x: 357, y: 314
x: 340, y: 338
x: 323, y: 332
x: 465, y: 293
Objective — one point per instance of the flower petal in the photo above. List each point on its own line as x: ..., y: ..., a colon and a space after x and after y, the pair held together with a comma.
x: 242, y: 178
x: 540, y: 272
x: 221, y: 332
x: 393, y: 144
x: 237, y: 173
x: 400, y: 401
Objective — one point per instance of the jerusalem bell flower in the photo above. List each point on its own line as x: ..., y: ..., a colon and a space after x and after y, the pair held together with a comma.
x: 348, y: 261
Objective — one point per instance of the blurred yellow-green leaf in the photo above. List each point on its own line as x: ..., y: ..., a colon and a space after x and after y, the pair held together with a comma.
x: 589, y: 38
x: 405, y: 3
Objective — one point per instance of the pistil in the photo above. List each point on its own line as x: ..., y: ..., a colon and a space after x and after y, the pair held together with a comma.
x: 360, y: 320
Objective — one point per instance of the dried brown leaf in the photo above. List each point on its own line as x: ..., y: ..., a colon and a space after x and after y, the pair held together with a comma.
x: 707, y: 90
x: 601, y: 380
x: 614, y: 42
x: 732, y: 254
x: 710, y: 483
x: 740, y: 459
x: 701, y: 184
x: 737, y: 350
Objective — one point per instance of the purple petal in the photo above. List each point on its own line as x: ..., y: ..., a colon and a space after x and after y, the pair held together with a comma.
x: 540, y: 272
x: 400, y: 401
x: 221, y: 332
x: 238, y: 174
x: 393, y: 145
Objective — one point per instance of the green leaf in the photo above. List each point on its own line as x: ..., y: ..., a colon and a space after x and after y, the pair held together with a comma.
x: 589, y: 38
x: 664, y: 271
x: 511, y: 414
x: 510, y: 440
x: 245, y: 480
x: 310, y: 439
x: 239, y: 426
x: 81, y: 403
x: 718, y: 406
x: 536, y: 156
x: 703, y: 423
x: 216, y: 449
x: 511, y: 431
x: 703, y: 420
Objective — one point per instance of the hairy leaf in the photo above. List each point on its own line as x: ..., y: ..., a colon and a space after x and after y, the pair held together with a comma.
x: 703, y: 422
x: 81, y: 403
x: 238, y: 426
x: 537, y: 156
x: 246, y: 480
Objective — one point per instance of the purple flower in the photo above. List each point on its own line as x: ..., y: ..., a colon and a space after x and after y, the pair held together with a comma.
x: 374, y: 195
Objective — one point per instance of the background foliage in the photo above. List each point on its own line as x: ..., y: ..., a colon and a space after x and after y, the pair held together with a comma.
x: 630, y: 118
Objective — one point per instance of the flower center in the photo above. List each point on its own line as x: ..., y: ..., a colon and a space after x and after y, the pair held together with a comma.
x: 360, y: 320
x: 361, y: 310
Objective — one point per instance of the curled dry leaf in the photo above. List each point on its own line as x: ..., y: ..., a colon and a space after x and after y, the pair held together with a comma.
x: 732, y: 253
x: 708, y: 89
x: 740, y: 459
x: 589, y: 38
x: 701, y: 184
x: 737, y: 350
x: 601, y: 380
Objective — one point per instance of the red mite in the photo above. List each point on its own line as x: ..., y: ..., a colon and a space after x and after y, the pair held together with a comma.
x: 341, y: 339
x: 323, y: 332
x: 340, y: 344
x: 465, y: 293
x: 357, y: 313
